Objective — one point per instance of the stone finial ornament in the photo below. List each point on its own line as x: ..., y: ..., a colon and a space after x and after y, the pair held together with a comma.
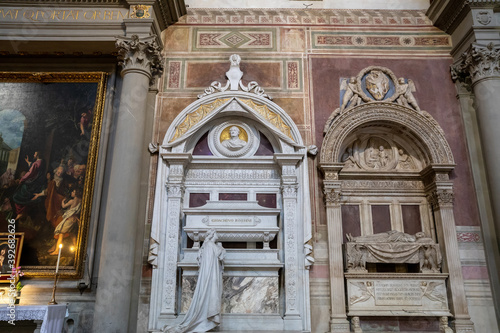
x: 234, y: 83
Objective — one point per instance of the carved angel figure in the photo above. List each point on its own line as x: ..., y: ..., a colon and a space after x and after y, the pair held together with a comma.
x: 404, y: 92
x: 429, y: 291
x: 366, y: 292
x: 349, y: 159
x: 377, y: 83
x: 405, y: 161
x: 351, y: 95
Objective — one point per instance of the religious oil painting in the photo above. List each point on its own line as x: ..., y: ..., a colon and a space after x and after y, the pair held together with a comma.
x: 49, y: 140
x: 11, y: 245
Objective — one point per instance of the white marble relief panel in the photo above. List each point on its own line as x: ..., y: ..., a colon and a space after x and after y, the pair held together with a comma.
x: 393, y: 296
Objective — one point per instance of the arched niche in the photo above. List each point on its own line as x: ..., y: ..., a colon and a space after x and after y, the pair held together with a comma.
x: 257, y: 203
x: 410, y: 168
x: 417, y: 128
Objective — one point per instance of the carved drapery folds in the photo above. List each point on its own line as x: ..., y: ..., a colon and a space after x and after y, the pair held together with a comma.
x: 140, y: 55
x: 478, y: 62
x: 393, y: 247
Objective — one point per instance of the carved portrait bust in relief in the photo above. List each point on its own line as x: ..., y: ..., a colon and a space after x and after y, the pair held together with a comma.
x: 234, y: 142
x: 233, y: 138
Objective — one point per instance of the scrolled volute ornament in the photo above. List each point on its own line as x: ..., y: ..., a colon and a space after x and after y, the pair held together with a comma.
x: 140, y: 54
x: 234, y: 82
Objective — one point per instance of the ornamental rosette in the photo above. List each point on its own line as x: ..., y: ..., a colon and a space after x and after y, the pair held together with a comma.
x: 477, y: 63
x: 144, y: 54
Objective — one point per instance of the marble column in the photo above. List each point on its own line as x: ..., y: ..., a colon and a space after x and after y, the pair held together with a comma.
x: 338, y: 318
x: 480, y: 67
x: 141, y: 60
x: 441, y: 199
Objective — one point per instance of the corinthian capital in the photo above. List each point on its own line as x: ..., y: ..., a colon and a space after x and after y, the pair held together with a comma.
x: 140, y: 55
x: 332, y: 197
x: 477, y: 63
x: 441, y: 198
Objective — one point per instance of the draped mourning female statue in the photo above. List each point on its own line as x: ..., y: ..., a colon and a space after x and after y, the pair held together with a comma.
x: 204, y: 312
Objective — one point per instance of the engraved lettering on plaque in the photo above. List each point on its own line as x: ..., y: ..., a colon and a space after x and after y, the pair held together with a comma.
x: 398, y: 293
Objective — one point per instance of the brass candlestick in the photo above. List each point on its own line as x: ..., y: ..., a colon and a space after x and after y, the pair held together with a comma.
x: 53, y: 300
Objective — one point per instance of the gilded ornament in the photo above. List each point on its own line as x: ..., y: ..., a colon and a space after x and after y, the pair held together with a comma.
x: 270, y: 116
x: 140, y: 11
x: 196, y: 116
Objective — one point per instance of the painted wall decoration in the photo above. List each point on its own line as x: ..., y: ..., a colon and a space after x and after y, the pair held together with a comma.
x: 49, y: 136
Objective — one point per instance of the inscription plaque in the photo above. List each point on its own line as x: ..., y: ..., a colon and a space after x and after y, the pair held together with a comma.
x: 398, y: 293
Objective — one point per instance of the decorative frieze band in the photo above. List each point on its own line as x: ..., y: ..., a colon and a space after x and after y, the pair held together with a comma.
x: 140, y: 54
x: 478, y: 62
x: 263, y: 16
x: 231, y: 174
x: 383, y: 184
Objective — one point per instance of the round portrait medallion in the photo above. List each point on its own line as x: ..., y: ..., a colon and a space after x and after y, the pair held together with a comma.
x: 233, y: 139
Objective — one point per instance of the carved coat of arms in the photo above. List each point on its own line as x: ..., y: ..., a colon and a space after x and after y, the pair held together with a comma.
x: 377, y: 83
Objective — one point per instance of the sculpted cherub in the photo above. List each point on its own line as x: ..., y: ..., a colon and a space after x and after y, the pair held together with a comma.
x: 404, y: 91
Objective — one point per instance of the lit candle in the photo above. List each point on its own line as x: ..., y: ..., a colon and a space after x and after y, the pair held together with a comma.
x: 58, y: 258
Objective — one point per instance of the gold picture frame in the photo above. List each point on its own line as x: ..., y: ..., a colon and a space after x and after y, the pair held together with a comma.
x: 11, y: 245
x: 61, y: 127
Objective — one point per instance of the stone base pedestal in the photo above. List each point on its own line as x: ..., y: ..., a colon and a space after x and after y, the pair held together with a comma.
x: 462, y: 326
x: 339, y: 325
